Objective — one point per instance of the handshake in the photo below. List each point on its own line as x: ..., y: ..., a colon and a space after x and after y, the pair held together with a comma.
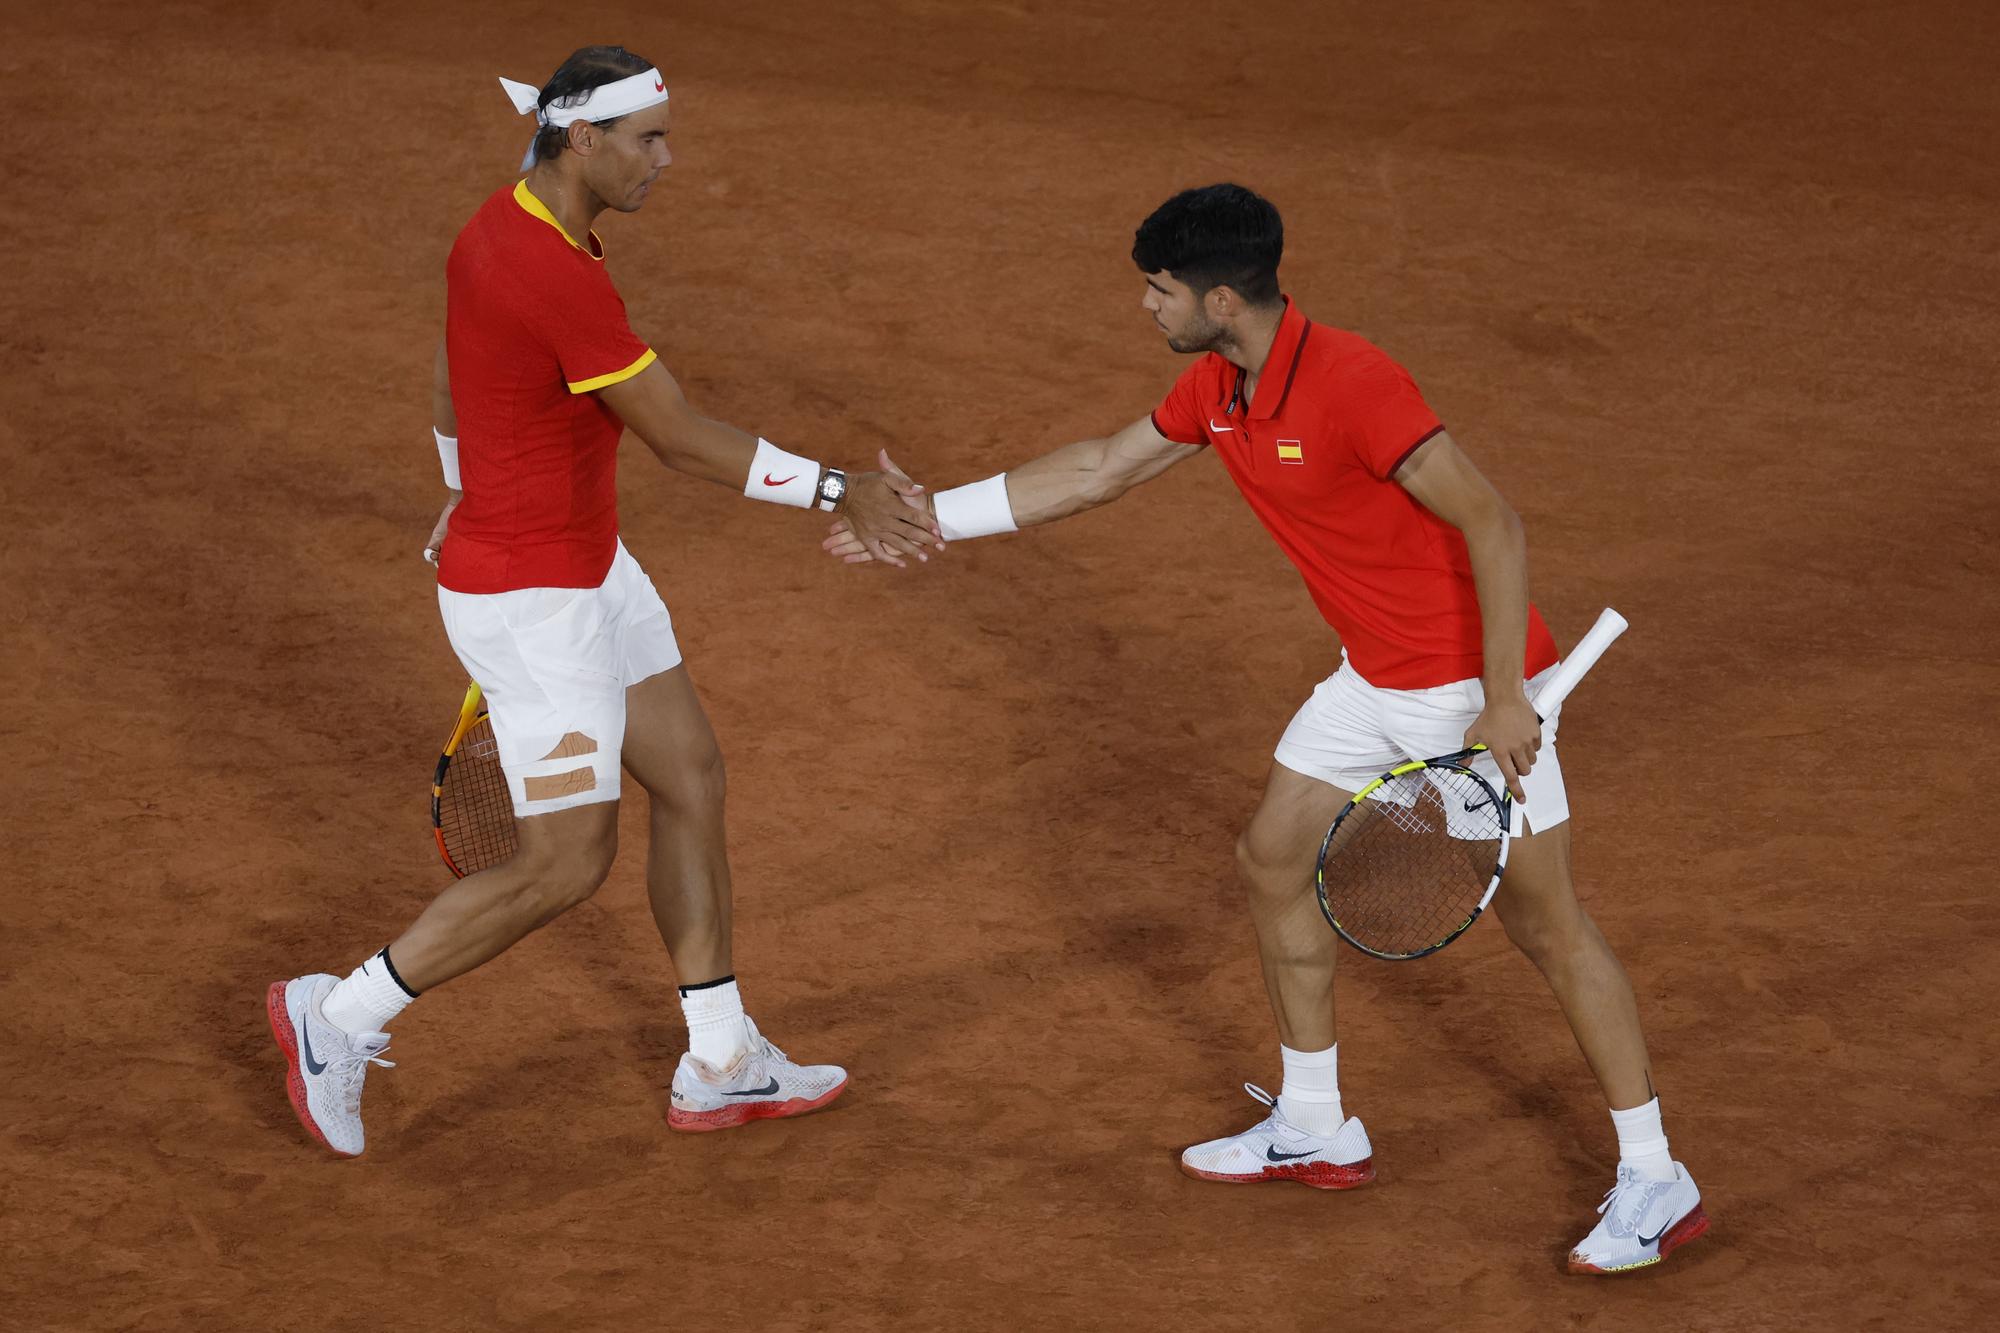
x: 886, y: 517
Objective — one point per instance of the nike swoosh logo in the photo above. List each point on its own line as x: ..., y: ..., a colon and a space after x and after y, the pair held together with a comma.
x: 1273, y: 1154
x: 659, y: 85
x: 780, y: 482
x: 764, y: 1091
x: 1220, y: 430
x: 1653, y: 1239
x: 1471, y: 806
x: 306, y: 1044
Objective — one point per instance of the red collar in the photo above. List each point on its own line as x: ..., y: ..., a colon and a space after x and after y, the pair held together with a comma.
x: 1281, y: 367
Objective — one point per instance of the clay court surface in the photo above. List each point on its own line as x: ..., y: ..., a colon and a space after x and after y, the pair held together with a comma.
x: 1710, y: 293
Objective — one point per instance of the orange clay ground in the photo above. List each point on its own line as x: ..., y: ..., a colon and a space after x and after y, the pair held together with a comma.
x: 1708, y: 290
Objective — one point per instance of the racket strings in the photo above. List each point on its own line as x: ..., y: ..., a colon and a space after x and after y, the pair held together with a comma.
x: 1408, y: 866
x: 475, y: 810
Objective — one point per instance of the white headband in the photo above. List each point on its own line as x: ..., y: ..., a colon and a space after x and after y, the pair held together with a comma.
x: 605, y: 102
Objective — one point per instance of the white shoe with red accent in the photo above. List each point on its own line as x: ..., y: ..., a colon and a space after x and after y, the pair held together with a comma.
x: 325, y: 1066
x: 1643, y: 1222
x: 763, y: 1084
x: 1280, y: 1150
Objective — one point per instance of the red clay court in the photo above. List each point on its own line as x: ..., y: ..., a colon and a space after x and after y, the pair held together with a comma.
x: 1710, y: 291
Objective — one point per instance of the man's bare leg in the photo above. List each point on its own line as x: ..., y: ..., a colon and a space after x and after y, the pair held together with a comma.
x: 562, y: 858
x: 1537, y: 903
x: 1275, y: 858
x: 1308, y: 1138
x: 1654, y: 1207
x: 671, y: 751
x: 728, y: 1077
x: 332, y: 1029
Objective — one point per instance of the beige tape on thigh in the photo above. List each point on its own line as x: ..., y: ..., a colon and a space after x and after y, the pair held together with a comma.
x: 571, y: 746
x: 557, y: 785
x: 556, y: 775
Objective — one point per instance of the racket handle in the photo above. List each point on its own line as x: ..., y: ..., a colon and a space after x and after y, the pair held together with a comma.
x: 1580, y: 660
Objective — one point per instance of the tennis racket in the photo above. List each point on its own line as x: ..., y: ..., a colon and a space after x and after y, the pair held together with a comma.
x: 1412, y: 860
x: 471, y: 811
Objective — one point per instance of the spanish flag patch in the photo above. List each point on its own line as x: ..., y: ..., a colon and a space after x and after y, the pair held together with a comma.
x: 1291, y: 451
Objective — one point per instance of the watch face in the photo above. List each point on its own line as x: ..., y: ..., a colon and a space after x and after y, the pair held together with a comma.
x: 836, y: 486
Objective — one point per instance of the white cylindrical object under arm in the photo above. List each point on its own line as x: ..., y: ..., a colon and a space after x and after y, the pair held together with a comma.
x: 978, y: 510
x: 782, y: 478
x: 448, y: 457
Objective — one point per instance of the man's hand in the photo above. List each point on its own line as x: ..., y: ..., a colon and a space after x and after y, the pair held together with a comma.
x: 842, y: 543
x: 886, y: 515
x: 1511, y: 733
x: 845, y: 546
x: 436, y: 543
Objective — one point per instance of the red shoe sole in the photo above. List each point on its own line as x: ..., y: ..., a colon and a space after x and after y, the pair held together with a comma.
x: 295, y: 1082
x: 1692, y: 1227
x: 1319, y: 1175
x: 729, y: 1117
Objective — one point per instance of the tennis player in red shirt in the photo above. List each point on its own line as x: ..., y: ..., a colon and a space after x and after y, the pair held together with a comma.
x: 1421, y: 568
x: 538, y: 378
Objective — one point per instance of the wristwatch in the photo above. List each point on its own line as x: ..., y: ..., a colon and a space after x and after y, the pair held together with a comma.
x: 832, y: 488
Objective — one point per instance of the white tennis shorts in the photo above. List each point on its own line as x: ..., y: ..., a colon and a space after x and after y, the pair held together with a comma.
x: 554, y: 665
x: 1350, y: 732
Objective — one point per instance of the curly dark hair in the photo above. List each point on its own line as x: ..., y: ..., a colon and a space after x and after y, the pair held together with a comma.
x: 1215, y: 236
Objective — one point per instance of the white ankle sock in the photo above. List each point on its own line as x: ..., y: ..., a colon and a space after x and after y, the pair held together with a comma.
x: 1642, y: 1141
x: 368, y: 998
x: 714, y: 1012
x: 1310, y: 1098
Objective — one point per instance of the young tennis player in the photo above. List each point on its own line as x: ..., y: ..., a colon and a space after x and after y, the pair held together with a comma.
x: 1421, y: 568
x: 539, y: 376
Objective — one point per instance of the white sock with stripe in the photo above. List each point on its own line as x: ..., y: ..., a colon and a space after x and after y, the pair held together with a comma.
x: 368, y: 998
x: 714, y: 1013
x: 1310, y: 1098
x: 1642, y: 1141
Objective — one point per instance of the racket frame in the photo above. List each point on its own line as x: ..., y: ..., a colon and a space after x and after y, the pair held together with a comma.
x: 1503, y: 802
x: 470, y: 714
x: 1567, y: 675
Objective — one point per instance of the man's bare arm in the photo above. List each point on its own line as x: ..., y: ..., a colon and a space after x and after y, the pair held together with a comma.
x: 443, y: 416
x: 1061, y: 482
x: 1089, y: 473
x: 444, y: 420
x: 1443, y: 480
x: 653, y: 407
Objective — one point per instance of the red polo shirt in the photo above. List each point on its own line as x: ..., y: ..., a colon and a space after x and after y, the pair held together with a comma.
x: 1316, y: 455
x: 532, y: 327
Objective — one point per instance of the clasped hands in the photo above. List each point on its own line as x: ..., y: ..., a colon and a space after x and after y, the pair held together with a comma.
x: 886, y: 517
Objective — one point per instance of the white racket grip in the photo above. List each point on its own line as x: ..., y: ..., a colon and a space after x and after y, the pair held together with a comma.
x: 1580, y: 660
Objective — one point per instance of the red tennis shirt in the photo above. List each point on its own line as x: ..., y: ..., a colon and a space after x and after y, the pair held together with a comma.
x: 1316, y: 455
x: 532, y: 327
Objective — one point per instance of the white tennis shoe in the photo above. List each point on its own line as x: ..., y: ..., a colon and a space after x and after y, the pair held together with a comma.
x: 1280, y: 1150
x: 762, y: 1084
x: 325, y: 1066
x: 1643, y: 1221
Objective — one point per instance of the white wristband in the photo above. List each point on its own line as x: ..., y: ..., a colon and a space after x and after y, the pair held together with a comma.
x: 782, y: 478
x: 448, y: 457
x: 978, y: 510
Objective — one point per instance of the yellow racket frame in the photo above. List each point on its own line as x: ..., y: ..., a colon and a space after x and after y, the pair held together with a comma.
x: 470, y: 714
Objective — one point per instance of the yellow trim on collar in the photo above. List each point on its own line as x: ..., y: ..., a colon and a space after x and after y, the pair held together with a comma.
x: 537, y: 209
x: 616, y: 376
